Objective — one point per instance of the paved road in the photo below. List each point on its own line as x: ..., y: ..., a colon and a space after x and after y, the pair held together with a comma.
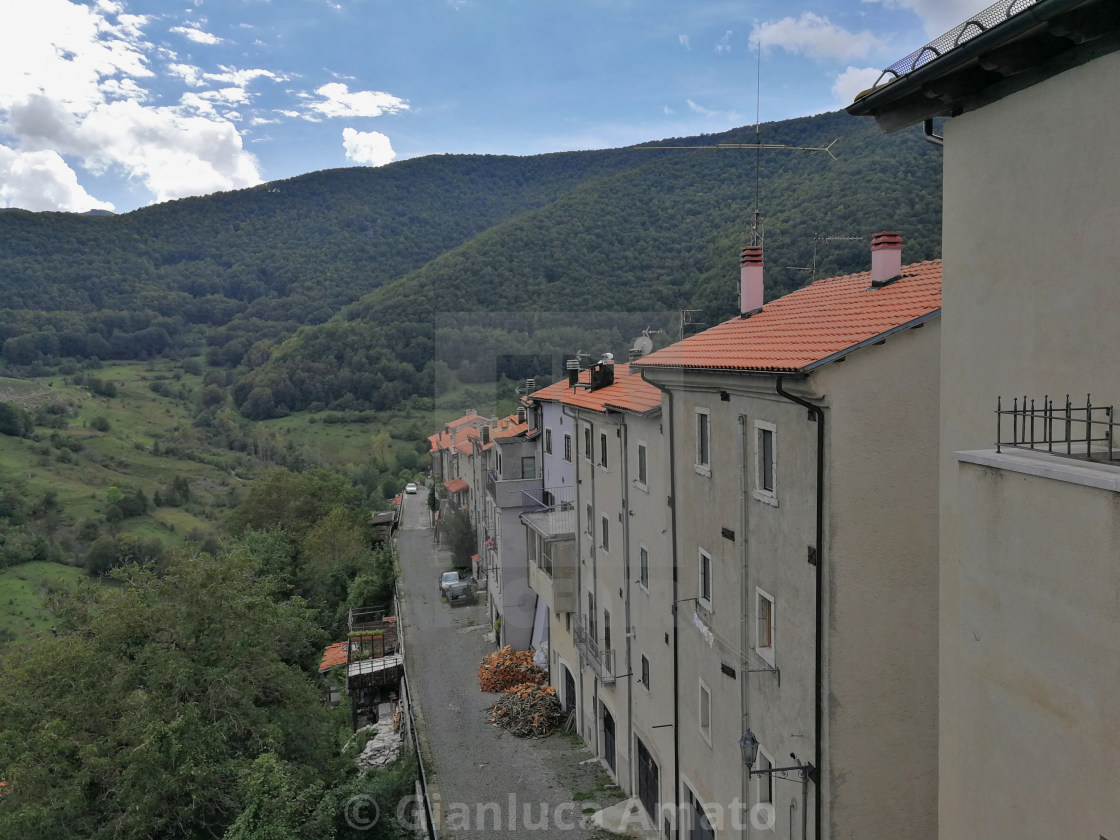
x: 490, y: 784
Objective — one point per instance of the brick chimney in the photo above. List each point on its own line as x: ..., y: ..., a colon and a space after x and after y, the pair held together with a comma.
x: 886, y: 258
x: 750, y: 280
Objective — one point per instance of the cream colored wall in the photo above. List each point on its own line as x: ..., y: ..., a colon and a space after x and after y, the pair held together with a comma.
x: 882, y: 564
x: 650, y: 612
x: 1032, y: 194
x: 1039, y: 699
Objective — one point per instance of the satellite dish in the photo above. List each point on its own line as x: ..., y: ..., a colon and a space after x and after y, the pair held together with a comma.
x: 643, y: 346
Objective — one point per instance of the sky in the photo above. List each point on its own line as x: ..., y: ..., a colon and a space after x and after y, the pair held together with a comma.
x: 118, y: 104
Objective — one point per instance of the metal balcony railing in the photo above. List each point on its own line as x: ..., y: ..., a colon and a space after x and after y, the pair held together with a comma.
x: 1077, y: 431
x: 601, y: 661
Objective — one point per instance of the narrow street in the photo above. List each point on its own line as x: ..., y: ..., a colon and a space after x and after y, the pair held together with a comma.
x: 489, y: 783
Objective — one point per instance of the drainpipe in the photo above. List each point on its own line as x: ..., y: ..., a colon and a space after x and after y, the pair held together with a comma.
x: 818, y: 701
x: 744, y: 632
x: 579, y: 563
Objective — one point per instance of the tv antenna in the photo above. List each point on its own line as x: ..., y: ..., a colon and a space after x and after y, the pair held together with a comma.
x: 687, y: 320
x: 817, y: 239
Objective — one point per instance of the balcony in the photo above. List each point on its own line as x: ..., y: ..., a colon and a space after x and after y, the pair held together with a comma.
x: 601, y: 661
x: 509, y: 492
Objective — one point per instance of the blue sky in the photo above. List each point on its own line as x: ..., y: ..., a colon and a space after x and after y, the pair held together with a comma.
x: 116, y: 104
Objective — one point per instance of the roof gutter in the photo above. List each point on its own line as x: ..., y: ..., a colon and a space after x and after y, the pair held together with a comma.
x: 868, y: 342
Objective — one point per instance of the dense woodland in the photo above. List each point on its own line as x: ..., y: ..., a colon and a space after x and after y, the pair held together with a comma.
x: 348, y: 289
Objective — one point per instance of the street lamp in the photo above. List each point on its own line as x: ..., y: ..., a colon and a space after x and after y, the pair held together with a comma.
x: 748, y: 745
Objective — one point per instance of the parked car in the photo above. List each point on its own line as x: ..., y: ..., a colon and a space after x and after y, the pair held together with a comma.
x: 447, y: 580
x: 460, y: 593
x: 410, y: 488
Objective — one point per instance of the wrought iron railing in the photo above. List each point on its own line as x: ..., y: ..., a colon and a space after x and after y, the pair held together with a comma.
x: 1079, y: 431
x: 976, y: 25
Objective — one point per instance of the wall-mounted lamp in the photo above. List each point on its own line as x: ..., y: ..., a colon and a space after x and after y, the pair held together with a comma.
x: 748, y: 744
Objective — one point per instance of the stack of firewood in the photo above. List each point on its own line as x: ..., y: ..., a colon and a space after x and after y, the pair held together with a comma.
x: 505, y: 668
x: 528, y: 711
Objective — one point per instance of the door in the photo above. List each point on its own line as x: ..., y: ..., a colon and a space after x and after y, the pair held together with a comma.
x: 569, y: 690
x: 608, y: 738
x: 647, y: 780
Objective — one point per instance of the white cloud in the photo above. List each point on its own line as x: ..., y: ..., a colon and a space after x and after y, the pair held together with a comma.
x: 338, y: 101
x: 816, y: 37
x: 368, y: 147
x: 696, y: 108
x: 193, y: 33
x: 724, y: 43
x: 854, y: 81
x: 174, y: 155
x: 191, y: 75
x: 938, y: 16
x: 42, y: 180
x: 685, y: 41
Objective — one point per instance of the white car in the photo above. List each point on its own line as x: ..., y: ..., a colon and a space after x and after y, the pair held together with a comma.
x: 410, y: 488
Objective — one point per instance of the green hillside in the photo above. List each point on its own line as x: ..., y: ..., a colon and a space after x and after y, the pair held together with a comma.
x: 325, y: 291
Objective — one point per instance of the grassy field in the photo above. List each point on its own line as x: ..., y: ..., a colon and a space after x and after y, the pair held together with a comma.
x: 22, y: 592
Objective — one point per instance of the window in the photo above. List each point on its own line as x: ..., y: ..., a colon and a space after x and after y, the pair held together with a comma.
x: 703, y: 441
x: 705, y: 712
x: 587, y: 443
x: 642, y: 471
x: 645, y: 672
x: 604, y: 535
x: 766, y: 463
x: 548, y: 441
x: 592, y: 621
x: 568, y: 448
x: 606, y: 630
x: 764, y: 782
x: 764, y: 625
x: 643, y: 566
x: 499, y: 461
x: 590, y: 529
x: 705, y: 570
x: 602, y: 450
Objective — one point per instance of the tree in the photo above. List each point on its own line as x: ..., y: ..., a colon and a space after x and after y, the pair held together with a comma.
x: 433, y: 500
x: 142, y: 716
x: 14, y: 421
x: 461, y: 539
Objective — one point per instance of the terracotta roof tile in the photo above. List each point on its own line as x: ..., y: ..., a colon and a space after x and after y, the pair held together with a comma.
x: 333, y: 656
x: 508, y: 427
x: 455, y: 485
x: 796, y: 332
x: 629, y: 392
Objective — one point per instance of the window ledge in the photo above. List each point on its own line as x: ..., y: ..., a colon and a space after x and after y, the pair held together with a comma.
x: 703, y: 469
x: 766, y: 496
x: 1045, y: 465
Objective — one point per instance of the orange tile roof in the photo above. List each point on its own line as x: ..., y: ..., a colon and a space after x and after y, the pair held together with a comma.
x: 811, y: 326
x: 628, y: 392
x: 508, y: 427
x: 455, y: 485
x: 333, y: 656
x: 457, y: 438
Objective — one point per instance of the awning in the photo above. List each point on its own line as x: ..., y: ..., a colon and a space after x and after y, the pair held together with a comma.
x: 455, y: 485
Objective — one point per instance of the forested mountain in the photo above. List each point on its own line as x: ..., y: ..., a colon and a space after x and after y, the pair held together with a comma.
x: 390, y: 251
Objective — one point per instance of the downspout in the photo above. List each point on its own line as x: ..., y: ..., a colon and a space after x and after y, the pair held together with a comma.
x: 676, y: 663
x: 818, y: 560
x: 578, y: 560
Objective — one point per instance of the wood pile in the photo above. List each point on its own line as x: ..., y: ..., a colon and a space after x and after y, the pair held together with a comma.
x: 528, y: 711
x: 503, y: 669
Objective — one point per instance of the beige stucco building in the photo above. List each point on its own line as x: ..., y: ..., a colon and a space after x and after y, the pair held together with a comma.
x: 1030, y: 528
x: 803, y: 493
x: 609, y: 589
